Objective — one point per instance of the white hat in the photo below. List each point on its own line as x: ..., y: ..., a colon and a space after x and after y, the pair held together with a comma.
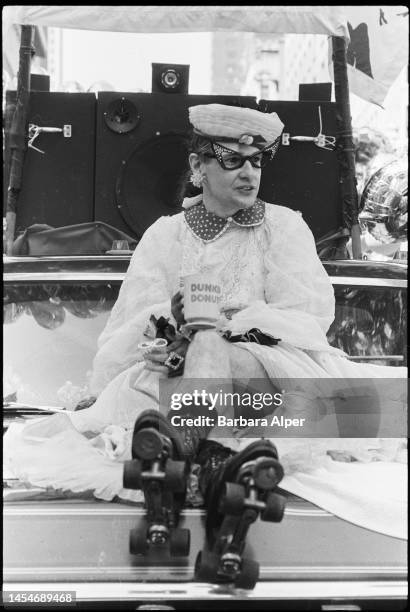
x: 220, y: 122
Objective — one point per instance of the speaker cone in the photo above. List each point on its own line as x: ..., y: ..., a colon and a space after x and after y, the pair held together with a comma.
x: 170, y: 79
x: 122, y: 116
x: 150, y: 181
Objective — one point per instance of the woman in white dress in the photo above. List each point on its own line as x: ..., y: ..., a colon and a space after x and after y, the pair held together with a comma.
x: 265, y: 259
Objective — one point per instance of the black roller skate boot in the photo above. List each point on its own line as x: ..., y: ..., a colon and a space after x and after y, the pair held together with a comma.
x: 241, y: 490
x: 160, y: 469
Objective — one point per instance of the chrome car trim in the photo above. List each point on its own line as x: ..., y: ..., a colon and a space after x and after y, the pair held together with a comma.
x: 369, y: 282
x: 189, y: 569
x: 289, y: 589
x: 62, y: 276
x: 133, y: 511
x: 375, y: 357
x: 119, y: 276
x: 107, y: 255
x: 65, y: 258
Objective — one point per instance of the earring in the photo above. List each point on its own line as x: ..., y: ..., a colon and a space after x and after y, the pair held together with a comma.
x: 197, y: 178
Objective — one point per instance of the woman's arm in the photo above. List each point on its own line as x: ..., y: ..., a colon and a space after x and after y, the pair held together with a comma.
x: 299, y: 298
x: 146, y: 290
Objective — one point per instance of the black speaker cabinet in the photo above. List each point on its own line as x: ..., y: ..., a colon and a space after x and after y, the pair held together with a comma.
x: 315, y: 91
x: 39, y: 82
x: 58, y: 185
x: 142, y: 156
x: 302, y: 175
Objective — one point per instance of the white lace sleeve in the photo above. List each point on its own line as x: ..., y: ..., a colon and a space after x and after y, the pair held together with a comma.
x: 299, y: 298
x: 146, y: 290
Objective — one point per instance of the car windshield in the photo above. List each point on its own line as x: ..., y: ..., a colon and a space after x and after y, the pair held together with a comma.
x: 50, y: 340
x: 51, y: 332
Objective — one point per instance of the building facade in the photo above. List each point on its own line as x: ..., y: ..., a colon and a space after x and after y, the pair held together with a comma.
x: 305, y: 59
x: 263, y: 77
x: 232, y: 53
x: 268, y: 66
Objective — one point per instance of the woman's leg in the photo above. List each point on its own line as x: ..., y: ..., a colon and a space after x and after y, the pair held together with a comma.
x: 215, y: 365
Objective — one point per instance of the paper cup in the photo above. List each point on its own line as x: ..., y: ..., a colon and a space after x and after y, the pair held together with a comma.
x: 202, y: 294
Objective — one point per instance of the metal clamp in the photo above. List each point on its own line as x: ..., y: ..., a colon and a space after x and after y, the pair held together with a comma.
x: 321, y: 140
x: 325, y: 142
x: 285, y: 138
x: 35, y: 130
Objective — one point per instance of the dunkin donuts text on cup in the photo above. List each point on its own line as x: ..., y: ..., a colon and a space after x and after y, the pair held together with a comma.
x: 205, y: 292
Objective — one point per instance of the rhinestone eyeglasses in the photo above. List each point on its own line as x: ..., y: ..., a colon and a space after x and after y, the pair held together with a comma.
x: 232, y: 160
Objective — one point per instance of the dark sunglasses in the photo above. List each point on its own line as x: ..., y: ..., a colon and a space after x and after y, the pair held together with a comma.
x: 232, y: 160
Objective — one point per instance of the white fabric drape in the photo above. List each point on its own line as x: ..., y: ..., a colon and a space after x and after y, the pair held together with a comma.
x: 328, y: 20
x: 146, y: 290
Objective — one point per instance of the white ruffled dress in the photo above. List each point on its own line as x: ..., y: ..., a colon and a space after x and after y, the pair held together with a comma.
x: 271, y: 279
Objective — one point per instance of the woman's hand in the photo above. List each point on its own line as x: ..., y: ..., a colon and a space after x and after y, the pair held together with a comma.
x: 156, y: 356
x: 177, y: 308
x: 180, y: 347
x: 154, y: 359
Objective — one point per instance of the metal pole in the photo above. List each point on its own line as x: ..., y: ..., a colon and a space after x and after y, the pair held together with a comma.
x: 18, y: 132
x: 345, y: 146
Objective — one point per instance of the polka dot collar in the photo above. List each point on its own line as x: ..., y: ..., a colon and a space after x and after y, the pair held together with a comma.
x: 208, y: 227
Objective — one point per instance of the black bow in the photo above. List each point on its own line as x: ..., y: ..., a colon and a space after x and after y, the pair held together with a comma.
x: 253, y: 335
x: 164, y: 329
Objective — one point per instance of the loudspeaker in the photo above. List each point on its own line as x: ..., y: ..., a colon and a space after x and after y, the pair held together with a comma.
x: 302, y: 175
x: 58, y: 185
x: 142, y: 155
x: 39, y: 82
x: 309, y: 92
x: 170, y: 78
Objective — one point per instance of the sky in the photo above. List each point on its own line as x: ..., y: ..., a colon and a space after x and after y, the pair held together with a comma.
x: 124, y: 60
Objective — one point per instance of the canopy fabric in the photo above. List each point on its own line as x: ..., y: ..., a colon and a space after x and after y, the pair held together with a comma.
x: 328, y: 20
x: 378, y: 50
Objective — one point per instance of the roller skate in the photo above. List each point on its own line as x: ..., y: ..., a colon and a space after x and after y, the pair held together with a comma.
x: 159, y: 469
x: 239, y: 492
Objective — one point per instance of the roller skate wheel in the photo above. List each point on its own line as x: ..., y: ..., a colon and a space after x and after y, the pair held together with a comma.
x: 267, y: 473
x: 245, y: 472
x: 275, y: 508
x: 132, y: 475
x: 180, y: 542
x: 248, y: 576
x: 206, y: 567
x: 158, y: 535
x: 147, y: 444
x: 175, y: 476
x: 233, y: 499
x: 138, y: 542
x: 230, y: 565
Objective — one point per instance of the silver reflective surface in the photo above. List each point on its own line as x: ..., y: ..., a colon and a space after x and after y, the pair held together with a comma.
x: 371, y: 321
x: 384, y: 209
x: 50, y: 339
